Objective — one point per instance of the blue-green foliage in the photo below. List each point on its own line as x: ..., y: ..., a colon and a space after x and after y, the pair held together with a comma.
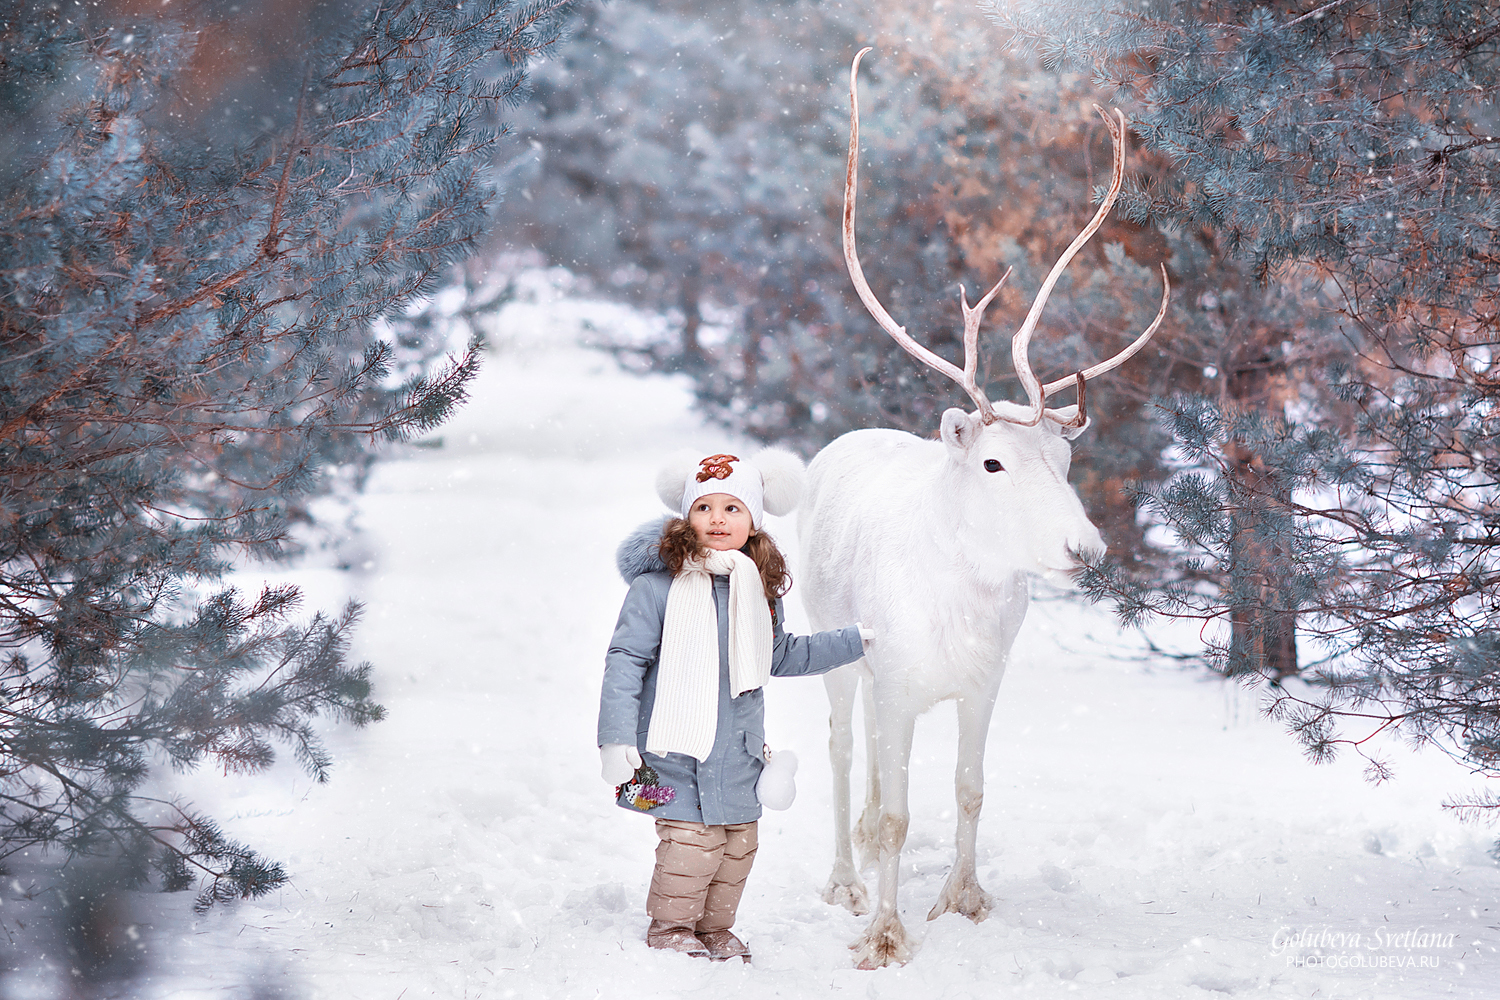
x: 1359, y: 139
x: 189, y: 351
x: 1363, y: 135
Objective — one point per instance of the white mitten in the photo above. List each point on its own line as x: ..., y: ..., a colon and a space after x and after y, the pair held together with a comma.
x: 617, y: 762
x: 866, y: 635
x: 777, y: 786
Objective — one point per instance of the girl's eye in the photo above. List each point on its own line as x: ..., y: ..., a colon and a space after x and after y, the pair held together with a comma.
x: 992, y: 465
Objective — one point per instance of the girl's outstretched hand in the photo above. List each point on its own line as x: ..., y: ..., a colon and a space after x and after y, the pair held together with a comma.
x: 866, y: 635
x: 617, y: 762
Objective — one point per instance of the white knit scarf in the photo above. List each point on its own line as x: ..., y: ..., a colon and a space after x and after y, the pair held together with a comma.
x: 685, y: 714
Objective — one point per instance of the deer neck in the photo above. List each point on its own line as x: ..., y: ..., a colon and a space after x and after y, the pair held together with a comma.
x: 954, y: 528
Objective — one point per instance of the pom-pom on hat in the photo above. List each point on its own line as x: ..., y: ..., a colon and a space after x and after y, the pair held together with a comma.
x: 771, y: 483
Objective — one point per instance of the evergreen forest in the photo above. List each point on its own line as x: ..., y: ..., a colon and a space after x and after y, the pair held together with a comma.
x: 225, y: 226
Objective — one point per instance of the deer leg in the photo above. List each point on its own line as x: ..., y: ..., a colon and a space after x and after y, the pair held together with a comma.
x: 844, y: 886
x: 885, y: 940
x: 962, y: 892
x: 866, y: 834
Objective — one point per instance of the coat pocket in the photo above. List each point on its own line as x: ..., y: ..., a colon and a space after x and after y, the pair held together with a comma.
x: 755, y: 746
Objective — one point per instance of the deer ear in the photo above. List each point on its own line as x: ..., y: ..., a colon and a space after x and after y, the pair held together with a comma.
x: 1066, y: 413
x: 960, y: 429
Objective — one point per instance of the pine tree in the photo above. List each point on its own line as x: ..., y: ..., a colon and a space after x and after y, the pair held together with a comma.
x: 191, y: 312
x: 1357, y: 142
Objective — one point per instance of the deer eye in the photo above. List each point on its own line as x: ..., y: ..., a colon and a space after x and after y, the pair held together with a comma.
x: 992, y: 465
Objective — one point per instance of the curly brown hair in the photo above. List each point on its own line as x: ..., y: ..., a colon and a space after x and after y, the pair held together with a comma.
x: 679, y: 542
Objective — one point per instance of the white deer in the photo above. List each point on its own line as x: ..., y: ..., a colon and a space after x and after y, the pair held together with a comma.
x: 929, y: 543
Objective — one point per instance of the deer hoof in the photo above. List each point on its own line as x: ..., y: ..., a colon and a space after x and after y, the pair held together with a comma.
x: 962, y: 896
x: 884, y: 943
x: 852, y: 896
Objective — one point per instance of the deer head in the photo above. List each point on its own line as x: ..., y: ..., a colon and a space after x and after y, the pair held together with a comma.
x: 1006, y: 475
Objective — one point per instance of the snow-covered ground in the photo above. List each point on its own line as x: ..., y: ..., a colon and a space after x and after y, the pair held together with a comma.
x: 1146, y: 834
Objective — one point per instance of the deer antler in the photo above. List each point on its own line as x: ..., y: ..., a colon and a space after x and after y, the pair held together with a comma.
x: 964, y: 377
x: 1021, y: 342
x: 1036, y: 393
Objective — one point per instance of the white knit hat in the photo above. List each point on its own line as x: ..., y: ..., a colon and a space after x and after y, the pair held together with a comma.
x: 771, y: 483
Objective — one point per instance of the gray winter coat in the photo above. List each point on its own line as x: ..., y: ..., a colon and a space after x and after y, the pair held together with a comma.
x: 720, y: 789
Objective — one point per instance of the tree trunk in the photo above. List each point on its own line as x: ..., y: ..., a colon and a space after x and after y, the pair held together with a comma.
x: 1263, y: 625
x: 690, y: 358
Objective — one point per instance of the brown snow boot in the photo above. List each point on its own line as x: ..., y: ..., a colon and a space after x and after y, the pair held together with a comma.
x: 675, y: 938
x: 723, y: 945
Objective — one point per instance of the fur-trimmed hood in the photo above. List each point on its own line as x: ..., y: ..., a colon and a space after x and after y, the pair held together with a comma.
x: 638, y: 553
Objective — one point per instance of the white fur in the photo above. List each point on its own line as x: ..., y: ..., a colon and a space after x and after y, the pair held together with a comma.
x: 784, y: 477
x: 916, y: 540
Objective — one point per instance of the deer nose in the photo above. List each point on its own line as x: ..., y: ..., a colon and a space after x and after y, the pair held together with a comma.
x: 1087, y: 543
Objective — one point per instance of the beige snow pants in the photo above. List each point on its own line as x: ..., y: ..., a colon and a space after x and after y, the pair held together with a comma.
x: 700, y: 874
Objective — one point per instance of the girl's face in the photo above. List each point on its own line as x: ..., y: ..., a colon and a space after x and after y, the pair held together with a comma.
x: 721, y: 521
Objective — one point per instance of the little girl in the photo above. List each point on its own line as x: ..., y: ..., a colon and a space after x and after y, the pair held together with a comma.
x: 681, y: 714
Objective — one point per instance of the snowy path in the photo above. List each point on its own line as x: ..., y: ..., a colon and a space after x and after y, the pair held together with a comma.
x: 1146, y: 834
